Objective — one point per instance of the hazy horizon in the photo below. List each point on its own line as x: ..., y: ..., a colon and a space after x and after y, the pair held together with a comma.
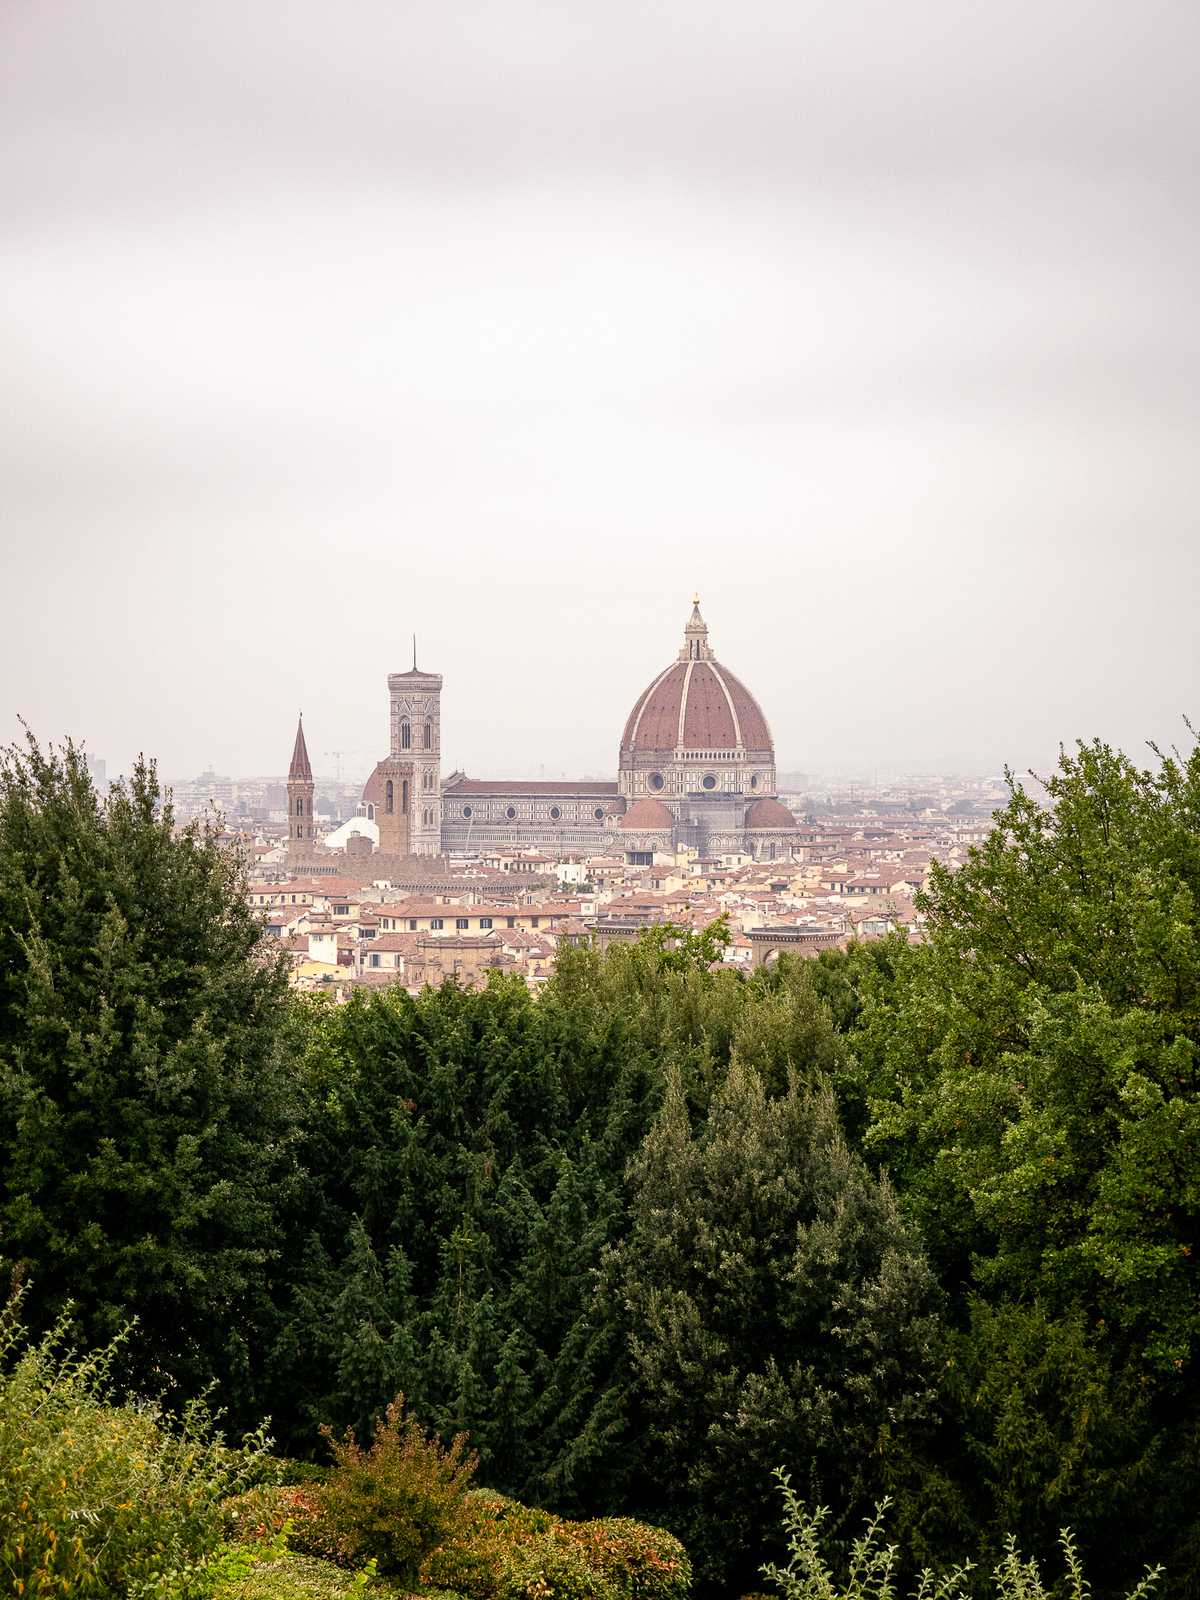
x: 513, y: 325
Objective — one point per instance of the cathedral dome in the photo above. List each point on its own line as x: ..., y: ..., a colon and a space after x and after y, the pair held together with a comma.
x: 696, y: 704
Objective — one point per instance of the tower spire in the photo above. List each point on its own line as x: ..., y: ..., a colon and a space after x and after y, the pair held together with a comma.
x: 301, y: 767
x: 414, y: 652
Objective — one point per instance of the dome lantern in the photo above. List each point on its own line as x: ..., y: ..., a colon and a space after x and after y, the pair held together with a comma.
x: 695, y: 636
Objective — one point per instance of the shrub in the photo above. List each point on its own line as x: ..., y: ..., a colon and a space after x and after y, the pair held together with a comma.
x: 489, y: 1509
x: 397, y: 1501
x: 641, y: 1562
x: 872, y: 1571
x: 511, y: 1551
x: 474, y: 1561
x: 548, y: 1567
x: 263, y: 1511
x: 97, y: 1498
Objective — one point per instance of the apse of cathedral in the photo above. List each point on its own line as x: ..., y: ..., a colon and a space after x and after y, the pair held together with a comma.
x: 696, y: 767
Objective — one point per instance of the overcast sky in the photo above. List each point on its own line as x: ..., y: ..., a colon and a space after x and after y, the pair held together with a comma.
x: 513, y: 324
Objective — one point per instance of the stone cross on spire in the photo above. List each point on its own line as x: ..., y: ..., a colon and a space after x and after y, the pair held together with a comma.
x: 301, y: 767
x: 695, y: 636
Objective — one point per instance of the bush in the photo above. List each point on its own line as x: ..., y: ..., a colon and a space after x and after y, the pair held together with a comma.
x: 512, y: 1551
x: 406, y: 1503
x: 872, y: 1575
x: 548, y: 1567
x: 491, y: 1510
x: 641, y: 1562
x: 262, y: 1512
x: 104, y: 1499
x: 397, y: 1501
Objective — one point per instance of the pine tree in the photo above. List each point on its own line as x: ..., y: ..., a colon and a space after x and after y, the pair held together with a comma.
x: 778, y: 1312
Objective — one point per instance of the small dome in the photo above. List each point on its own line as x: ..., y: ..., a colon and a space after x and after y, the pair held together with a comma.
x: 767, y: 813
x: 647, y: 815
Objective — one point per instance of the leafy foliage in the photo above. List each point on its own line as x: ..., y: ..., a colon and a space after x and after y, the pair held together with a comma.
x: 636, y: 1234
x: 291, y: 1576
x: 1044, y: 1044
x: 97, y: 1498
x: 511, y: 1551
x: 396, y: 1501
x: 872, y: 1570
x: 1032, y: 1073
x: 144, y: 1109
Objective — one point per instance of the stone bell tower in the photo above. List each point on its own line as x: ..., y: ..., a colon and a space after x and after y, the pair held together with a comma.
x: 301, y: 837
x: 416, y: 737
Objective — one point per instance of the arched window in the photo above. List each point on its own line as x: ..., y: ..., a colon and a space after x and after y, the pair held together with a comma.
x: 404, y: 797
x: 391, y: 798
x: 405, y: 735
x: 429, y: 736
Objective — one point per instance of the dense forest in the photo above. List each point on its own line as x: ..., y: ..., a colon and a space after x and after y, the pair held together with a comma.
x: 914, y: 1221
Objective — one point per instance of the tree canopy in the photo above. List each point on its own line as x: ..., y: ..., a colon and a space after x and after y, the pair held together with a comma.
x: 1031, y: 1071
x: 145, y: 1111
x: 916, y: 1219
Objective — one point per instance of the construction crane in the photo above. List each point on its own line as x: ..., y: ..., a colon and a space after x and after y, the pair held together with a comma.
x: 337, y: 756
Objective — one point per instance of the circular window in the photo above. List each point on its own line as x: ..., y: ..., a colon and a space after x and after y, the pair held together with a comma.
x: 657, y: 780
x: 511, y: 812
x: 466, y: 811
x: 599, y: 813
x: 754, y: 780
x: 555, y: 812
x: 708, y: 781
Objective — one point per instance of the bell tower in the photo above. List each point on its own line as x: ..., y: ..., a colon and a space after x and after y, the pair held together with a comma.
x: 301, y: 837
x: 416, y: 735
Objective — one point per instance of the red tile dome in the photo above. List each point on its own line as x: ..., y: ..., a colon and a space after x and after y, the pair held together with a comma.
x: 768, y: 813
x: 696, y: 704
x: 647, y: 815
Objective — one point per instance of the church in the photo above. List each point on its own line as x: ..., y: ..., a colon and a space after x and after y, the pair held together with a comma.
x: 695, y: 767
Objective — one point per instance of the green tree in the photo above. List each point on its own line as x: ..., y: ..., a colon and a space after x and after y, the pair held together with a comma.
x: 1043, y: 1046
x: 777, y: 1308
x: 1033, y: 1075
x: 463, y: 1154
x: 145, y: 1113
